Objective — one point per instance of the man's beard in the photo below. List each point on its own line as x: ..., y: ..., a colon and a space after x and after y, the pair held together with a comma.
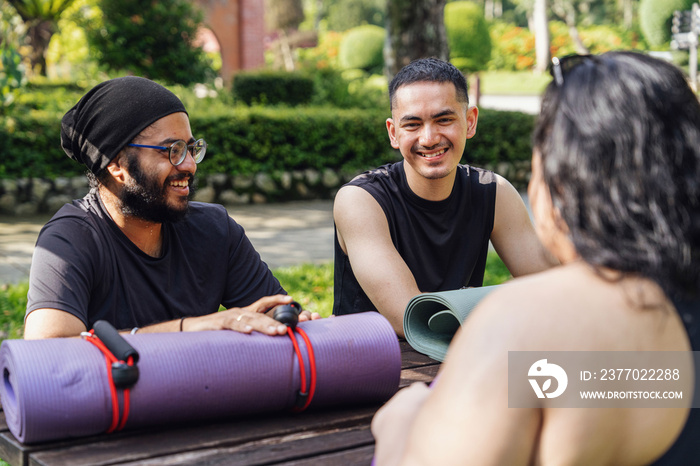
x: 146, y: 199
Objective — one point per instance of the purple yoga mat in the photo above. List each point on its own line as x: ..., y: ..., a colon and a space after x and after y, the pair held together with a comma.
x: 56, y: 389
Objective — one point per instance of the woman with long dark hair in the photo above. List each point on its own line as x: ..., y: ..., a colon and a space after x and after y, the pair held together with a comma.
x: 615, y: 192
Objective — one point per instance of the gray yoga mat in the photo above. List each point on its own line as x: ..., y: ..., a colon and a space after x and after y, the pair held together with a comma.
x: 431, y: 319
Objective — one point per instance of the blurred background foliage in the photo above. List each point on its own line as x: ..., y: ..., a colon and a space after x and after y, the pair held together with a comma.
x: 326, y: 102
x: 91, y: 40
x: 339, y: 65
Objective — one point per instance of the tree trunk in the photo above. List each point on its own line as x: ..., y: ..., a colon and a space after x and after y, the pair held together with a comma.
x: 414, y: 29
x: 541, y: 30
x: 627, y: 13
x: 286, y: 51
x: 576, y: 38
x: 498, y: 9
x: 39, y: 33
x: 318, y: 16
x: 566, y: 11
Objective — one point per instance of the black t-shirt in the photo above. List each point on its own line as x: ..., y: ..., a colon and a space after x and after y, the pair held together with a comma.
x: 444, y: 243
x: 83, y: 264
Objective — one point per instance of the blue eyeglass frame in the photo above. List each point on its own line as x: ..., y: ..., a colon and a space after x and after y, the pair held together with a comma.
x: 190, y: 149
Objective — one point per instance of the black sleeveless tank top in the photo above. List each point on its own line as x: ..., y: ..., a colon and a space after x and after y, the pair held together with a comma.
x: 444, y: 243
x: 686, y: 448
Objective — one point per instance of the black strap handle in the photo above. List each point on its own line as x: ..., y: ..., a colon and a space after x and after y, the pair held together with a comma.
x: 114, y: 342
x: 287, y: 314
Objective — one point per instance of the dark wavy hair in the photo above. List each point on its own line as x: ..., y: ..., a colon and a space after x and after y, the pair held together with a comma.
x: 429, y: 70
x: 620, y: 145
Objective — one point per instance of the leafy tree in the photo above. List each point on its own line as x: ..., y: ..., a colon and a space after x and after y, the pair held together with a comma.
x: 69, y: 56
x: 12, y: 77
x: 40, y: 18
x: 283, y: 15
x: 151, y: 39
x: 655, y: 19
x: 342, y: 15
x: 626, y: 7
x: 567, y: 11
x: 467, y: 36
x: 415, y: 29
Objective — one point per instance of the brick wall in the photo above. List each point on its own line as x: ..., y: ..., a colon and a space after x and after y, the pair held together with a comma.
x: 239, y: 26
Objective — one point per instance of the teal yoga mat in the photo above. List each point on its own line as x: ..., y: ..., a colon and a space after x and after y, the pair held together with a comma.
x: 431, y: 319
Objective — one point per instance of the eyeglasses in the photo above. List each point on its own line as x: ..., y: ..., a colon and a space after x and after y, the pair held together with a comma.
x: 561, y: 66
x: 178, y: 150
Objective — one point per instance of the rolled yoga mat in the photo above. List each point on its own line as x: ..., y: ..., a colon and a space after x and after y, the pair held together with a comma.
x: 57, y: 388
x: 431, y: 319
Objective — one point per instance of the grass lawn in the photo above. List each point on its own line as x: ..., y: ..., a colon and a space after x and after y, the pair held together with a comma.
x: 512, y: 82
x: 310, y: 285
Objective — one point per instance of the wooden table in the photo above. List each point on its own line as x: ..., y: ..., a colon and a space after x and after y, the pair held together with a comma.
x: 327, y: 436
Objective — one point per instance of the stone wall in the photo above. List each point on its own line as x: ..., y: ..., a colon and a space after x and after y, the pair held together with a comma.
x: 32, y: 196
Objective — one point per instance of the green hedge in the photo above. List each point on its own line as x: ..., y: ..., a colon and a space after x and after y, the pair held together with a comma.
x: 500, y: 137
x: 267, y: 139
x: 272, y: 88
x: 250, y: 140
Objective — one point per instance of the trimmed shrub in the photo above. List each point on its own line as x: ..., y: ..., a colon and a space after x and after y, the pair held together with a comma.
x: 267, y: 139
x: 514, y: 47
x: 34, y: 142
x: 600, y: 39
x: 500, y: 137
x: 655, y: 19
x: 273, y: 88
x: 362, y: 47
x: 252, y: 140
x: 467, y: 35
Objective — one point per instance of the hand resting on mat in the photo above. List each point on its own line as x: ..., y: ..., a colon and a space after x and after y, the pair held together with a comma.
x: 52, y: 323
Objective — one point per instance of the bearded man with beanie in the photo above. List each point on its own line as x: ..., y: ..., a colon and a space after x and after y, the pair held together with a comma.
x: 135, y: 251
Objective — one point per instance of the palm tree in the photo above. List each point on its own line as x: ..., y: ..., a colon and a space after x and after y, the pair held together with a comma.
x: 40, y: 18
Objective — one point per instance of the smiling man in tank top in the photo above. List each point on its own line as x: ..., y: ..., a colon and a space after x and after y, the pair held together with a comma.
x: 424, y: 224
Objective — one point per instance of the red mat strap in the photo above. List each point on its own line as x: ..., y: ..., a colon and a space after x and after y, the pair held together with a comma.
x: 306, y: 393
x: 115, y: 425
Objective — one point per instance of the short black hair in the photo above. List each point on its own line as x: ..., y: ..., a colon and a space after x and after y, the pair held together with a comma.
x: 619, y: 139
x: 429, y: 70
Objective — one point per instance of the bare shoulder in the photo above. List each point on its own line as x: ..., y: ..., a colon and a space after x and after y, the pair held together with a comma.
x: 504, y: 187
x: 513, y: 317
x: 351, y: 201
x: 564, y: 309
x: 569, y: 308
x: 508, y: 199
x: 354, y: 207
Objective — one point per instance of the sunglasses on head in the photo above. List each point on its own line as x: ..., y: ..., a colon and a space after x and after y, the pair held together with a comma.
x: 562, y: 66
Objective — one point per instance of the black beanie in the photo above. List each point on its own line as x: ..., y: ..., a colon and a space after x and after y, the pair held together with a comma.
x: 111, y: 115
